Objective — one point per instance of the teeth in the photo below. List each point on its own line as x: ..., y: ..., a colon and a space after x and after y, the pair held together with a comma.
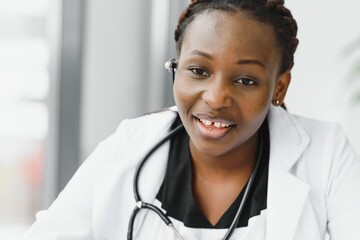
x: 224, y: 125
x: 207, y: 122
x: 216, y: 124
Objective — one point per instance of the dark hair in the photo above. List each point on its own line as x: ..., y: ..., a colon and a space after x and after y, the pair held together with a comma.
x: 271, y: 12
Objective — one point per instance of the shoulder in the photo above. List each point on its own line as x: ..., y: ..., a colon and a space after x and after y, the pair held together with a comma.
x: 136, y: 135
x: 327, y: 138
x: 325, y: 146
x: 148, y: 124
x: 325, y: 133
x: 320, y: 144
x: 305, y: 127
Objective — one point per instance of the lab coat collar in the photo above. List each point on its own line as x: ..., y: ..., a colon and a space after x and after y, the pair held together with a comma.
x: 287, y: 194
x: 288, y: 138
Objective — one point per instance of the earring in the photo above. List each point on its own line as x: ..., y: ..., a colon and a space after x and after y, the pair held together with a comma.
x: 276, y: 102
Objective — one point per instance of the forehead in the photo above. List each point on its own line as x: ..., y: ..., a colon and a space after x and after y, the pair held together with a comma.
x: 234, y: 34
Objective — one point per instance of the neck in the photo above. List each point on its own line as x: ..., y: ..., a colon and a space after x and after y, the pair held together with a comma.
x: 223, y: 168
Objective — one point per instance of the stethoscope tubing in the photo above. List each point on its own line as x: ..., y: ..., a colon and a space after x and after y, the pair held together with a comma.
x: 140, y: 166
x: 139, y: 203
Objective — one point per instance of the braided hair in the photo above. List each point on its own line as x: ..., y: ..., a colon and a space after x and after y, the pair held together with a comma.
x: 270, y: 12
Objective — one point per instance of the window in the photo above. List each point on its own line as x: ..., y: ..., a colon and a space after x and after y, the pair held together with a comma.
x: 24, y: 87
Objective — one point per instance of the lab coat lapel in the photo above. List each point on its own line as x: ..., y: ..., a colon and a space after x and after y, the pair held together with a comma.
x: 287, y: 194
x: 153, y: 174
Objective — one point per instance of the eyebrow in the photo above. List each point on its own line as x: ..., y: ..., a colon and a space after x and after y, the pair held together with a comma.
x: 201, y: 53
x: 241, y: 61
x: 251, y: 61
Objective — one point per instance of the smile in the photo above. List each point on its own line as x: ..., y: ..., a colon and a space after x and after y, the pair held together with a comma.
x: 213, y: 129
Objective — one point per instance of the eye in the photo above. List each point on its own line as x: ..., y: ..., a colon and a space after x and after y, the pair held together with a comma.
x: 199, y: 71
x: 246, y: 81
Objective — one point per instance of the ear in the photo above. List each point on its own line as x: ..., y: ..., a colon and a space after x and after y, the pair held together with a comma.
x: 281, y: 87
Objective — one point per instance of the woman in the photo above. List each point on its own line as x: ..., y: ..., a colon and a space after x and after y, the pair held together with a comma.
x: 242, y: 167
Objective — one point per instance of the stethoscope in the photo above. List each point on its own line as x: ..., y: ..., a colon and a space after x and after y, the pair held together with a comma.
x: 140, y: 204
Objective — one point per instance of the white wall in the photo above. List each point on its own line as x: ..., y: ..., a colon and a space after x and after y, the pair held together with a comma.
x: 114, y: 63
x: 321, y: 81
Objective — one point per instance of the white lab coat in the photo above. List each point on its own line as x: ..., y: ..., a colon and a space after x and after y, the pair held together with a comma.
x: 313, y: 187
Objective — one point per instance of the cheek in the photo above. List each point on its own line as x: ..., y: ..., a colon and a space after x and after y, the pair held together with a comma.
x: 182, y: 94
x: 185, y: 88
x: 179, y: 93
x: 259, y: 100
x: 255, y: 106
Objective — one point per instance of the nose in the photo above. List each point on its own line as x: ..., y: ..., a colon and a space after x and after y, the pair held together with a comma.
x: 218, y: 93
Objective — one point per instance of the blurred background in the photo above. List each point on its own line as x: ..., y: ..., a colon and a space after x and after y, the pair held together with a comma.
x: 71, y: 70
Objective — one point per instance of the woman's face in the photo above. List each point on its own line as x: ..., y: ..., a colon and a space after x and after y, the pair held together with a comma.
x: 225, y: 80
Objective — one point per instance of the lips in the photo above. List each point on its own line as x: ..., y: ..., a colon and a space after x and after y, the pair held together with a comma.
x: 213, y: 127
